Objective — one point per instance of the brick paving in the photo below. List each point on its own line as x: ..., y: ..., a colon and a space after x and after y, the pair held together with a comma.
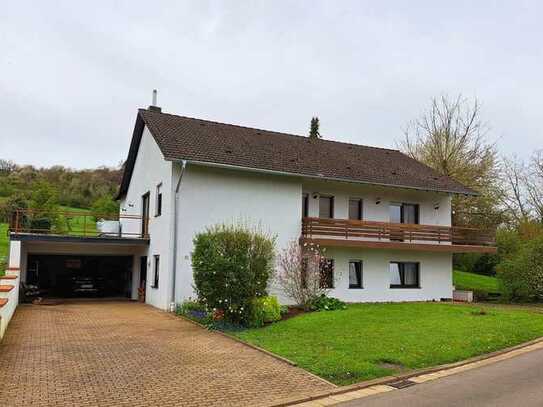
x: 130, y: 354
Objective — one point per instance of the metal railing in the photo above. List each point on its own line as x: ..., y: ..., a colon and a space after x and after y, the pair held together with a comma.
x: 399, y: 232
x: 77, y: 223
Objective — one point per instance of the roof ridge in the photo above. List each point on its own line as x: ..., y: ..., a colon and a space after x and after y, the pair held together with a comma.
x: 270, y: 131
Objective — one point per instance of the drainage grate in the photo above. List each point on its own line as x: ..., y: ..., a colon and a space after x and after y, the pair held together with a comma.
x: 402, y: 384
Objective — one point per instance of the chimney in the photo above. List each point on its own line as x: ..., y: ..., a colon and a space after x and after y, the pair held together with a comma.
x: 154, y: 107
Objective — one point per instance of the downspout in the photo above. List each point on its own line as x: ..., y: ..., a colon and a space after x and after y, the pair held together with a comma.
x: 174, y: 258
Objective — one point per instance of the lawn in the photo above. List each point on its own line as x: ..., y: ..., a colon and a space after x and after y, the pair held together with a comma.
x: 373, y: 340
x: 470, y: 281
x: 4, y: 243
x: 77, y: 224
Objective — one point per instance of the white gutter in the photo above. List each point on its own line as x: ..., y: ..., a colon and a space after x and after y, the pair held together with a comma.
x: 174, y: 257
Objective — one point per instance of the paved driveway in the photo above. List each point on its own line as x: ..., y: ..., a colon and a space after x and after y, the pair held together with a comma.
x: 130, y: 354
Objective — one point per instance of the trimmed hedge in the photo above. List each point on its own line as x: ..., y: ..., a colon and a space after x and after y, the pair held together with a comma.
x: 232, y: 266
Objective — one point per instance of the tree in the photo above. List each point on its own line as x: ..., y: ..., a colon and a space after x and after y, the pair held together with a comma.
x: 450, y: 138
x: 105, y: 207
x: 522, y: 189
x: 314, y: 128
x: 300, y: 273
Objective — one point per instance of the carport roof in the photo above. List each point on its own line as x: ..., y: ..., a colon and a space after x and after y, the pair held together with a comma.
x: 78, y: 239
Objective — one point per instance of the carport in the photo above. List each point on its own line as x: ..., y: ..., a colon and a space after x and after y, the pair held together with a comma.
x: 74, y: 266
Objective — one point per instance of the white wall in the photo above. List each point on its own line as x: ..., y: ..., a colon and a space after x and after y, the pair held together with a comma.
x: 209, y: 196
x: 379, y: 212
x: 150, y: 169
x: 435, y: 275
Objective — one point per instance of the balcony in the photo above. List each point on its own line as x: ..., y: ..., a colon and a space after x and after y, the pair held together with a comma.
x: 382, y: 235
x: 76, y: 224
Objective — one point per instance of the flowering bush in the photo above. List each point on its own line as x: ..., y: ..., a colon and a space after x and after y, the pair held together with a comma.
x: 263, y: 310
x: 304, y: 273
x: 231, y: 266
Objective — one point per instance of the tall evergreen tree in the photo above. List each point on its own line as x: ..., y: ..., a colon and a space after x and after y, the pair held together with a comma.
x: 314, y: 128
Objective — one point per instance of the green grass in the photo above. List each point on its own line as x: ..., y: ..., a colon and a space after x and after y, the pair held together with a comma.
x: 349, y: 346
x: 77, y: 224
x: 4, y: 244
x: 470, y: 281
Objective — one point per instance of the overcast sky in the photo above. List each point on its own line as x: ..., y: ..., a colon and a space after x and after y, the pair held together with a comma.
x: 73, y: 73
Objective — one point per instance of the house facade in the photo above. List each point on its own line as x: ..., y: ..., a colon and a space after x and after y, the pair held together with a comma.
x: 383, y: 219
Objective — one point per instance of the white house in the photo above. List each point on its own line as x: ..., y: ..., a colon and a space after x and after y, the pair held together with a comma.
x: 384, y: 218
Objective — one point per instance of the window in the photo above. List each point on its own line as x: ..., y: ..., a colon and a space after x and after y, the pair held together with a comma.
x: 404, y: 275
x: 326, y: 207
x: 305, y: 205
x: 355, y: 274
x: 158, y: 203
x: 404, y: 213
x: 355, y: 209
x: 327, y: 273
x: 156, y: 268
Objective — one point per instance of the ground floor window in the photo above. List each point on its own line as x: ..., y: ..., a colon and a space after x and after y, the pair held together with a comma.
x: 327, y: 273
x: 404, y: 275
x: 355, y: 274
x: 156, y: 269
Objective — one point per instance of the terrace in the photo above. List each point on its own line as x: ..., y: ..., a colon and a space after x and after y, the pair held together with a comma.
x: 32, y: 224
x: 383, y: 235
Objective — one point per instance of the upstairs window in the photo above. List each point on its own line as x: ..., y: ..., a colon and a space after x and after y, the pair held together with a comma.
x: 156, y: 269
x: 355, y: 209
x: 158, y: 203
x: 404, y: 213
x: 305, y: 205
x: 355, y: 274
x: 404, y: 275
x: 326, y: 207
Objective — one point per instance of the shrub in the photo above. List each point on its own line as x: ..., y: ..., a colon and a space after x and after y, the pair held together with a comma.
x: 105, y: 207
x: 231, y: 266
x: 325, y: 303
x: 301, y: 273
x: 195, y: 310
x: 264, y: 310
x: 522, y: 274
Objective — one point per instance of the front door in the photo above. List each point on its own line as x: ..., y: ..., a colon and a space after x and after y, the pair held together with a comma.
x: 143, y: 278
x: 145, y: 215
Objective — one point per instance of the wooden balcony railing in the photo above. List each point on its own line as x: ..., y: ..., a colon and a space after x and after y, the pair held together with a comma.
x: 395, y: 232
x: 77, y: 223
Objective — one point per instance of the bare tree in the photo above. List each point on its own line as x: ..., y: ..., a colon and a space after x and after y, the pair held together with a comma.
x: 302, y: 272
x: 535, y: 185
x: 514, y: 196
x: 450, y: 138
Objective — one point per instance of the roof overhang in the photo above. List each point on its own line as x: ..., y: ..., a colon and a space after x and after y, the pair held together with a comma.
x: 323, y: 178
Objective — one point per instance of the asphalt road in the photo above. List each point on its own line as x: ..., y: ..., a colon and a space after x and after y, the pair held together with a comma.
x: 513, y: 382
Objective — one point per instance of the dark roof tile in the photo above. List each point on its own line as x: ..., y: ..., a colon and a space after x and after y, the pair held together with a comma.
x: 200, y: 140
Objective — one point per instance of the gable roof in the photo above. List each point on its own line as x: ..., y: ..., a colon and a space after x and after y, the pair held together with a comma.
x: 185, y: 138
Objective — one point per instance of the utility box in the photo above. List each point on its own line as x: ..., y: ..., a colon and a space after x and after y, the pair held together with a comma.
x: 463, y: 295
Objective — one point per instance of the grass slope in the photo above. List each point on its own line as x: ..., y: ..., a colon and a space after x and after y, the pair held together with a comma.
x: 4, y: 244
x: 357, y: 344
x: 77, y: 224
x: 470, y: 281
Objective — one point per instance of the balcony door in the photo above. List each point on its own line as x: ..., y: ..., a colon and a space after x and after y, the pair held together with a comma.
x: 145, y: 215
x: 402, y: 213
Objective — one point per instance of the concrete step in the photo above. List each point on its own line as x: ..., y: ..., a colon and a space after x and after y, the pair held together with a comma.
x: 5, y: 288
